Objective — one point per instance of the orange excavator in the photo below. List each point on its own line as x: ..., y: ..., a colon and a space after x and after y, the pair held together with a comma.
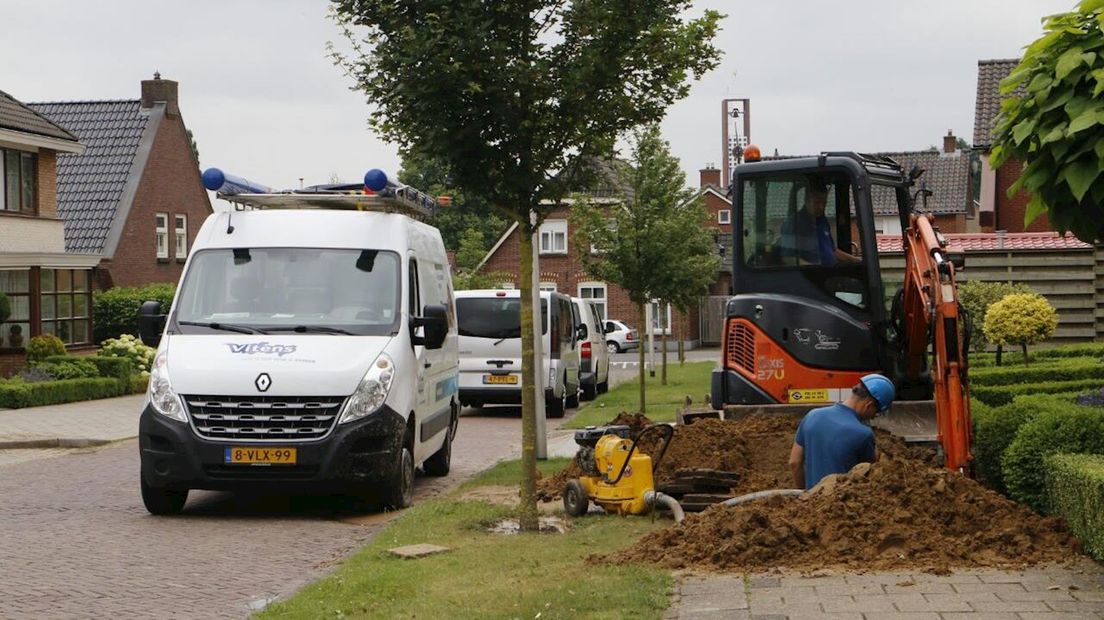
x: 811, y: 313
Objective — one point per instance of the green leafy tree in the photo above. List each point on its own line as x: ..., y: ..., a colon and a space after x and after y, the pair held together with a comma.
x: 510, y: 95
x: 654, y: 245
x: 468, y: 210
x: 471, y: 252
x: 976, y: 297
x: 1055, y: 124
x: 1020, y: 318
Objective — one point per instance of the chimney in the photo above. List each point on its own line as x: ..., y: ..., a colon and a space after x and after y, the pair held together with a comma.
x: 950, y: 142
x: 158, y: 90
x: 710, y: 176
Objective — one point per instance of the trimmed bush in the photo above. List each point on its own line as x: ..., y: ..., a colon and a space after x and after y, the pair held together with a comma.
x: 115, y: 310
x: 1075, y: 490
x: 67, y: 367
x: 131, y: 348
x: 118, y: 368
x: 41, y: 347
x: 1052, y: 371
x: 999, y: 395
x: 1020, y: 318
x: 995, y: 428
x: 1071, y: 429
x: 17, y: 394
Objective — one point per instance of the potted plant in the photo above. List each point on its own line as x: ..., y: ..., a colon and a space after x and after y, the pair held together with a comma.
x: 15, y: 336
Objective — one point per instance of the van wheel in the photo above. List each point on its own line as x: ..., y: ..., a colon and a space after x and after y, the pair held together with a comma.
x: 399, y: 486
x: 555, y: 407
x: 572, y: 401
x: 603, y: 387
x: 439, y: 463
x: 163, y: 500
x: 590, y: 392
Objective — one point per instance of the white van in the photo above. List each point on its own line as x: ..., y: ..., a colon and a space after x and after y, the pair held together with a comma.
x: 593, y: 354
x: 306, y: 349
x: 490, y: 349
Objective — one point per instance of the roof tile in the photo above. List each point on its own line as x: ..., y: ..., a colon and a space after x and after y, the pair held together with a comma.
x: 990, y: 74
x: 19, y: 117
x: 993, y: 242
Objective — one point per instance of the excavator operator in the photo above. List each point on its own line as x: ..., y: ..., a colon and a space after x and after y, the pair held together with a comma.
x: 833, y: 439
x: 807, y: 234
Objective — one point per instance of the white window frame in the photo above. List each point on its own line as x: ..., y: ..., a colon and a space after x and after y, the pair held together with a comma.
x: 548, y: 286
x: 655, y: 322
x: 724, y: 216
x: 601, y: 302
x: 161, y: 227
x: 553, y: 237
x: 180, y: 236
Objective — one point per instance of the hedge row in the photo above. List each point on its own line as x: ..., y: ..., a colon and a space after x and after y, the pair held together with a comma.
x: 1068, y: 428
x: 995, y: 428
x: 1012, y: 354
x: 1075, y: 490
x: 118, y: 368
x: 17, y: 395
x: 1059, y: 370
x: 1000, y: 395
x: 116, y: 309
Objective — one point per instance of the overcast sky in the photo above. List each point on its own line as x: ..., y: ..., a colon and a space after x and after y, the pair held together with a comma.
x: 264, y: 101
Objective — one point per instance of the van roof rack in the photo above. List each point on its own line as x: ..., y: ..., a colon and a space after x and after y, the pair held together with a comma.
x: 391, y: 198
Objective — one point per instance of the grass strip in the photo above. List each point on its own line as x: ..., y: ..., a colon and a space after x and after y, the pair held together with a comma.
x: 662, y: 400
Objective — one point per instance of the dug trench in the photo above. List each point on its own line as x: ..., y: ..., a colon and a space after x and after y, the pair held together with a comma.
x: 902, y: 512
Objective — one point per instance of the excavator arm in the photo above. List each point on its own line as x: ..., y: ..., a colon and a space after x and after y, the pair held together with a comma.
x: 931, y: 317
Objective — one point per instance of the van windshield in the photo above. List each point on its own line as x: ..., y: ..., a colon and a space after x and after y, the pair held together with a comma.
x: 291, y: 290
x: 493, y: 317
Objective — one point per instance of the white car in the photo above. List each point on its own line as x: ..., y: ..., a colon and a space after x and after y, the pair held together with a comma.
x: 620, y: 337
x: 593, y: 354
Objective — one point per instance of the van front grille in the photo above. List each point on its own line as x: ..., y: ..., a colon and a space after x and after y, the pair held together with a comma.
x: 264, y: 418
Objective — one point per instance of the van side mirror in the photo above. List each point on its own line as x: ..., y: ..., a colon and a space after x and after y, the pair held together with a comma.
x: 582, y: 332
x: 151, y: 323
x: 434, y: 321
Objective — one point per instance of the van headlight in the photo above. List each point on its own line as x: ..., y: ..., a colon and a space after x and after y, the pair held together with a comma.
x: 372, y: 391
x: 161, y: 395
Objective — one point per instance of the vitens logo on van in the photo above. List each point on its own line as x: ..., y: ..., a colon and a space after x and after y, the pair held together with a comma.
x: 261, y: 348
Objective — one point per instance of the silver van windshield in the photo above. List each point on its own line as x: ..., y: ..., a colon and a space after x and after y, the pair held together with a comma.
x: 291, y: 290
x: 493, y: 317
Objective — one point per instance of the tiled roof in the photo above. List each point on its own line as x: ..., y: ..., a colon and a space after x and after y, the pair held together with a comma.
x: 90, y: 186
x: 947, y: 175
x: 992, y: 242
x: 18, y: 117
x: 990, y: 74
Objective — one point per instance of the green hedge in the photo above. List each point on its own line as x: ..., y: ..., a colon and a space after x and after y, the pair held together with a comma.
x: 1071, y: 429
x: 996, y: 427
x: 67, y: 367
x: 999, y: 395
x: 115, y: 310
x: 1087, y: 349
x: 15, y: 394
x: 1057, y: 370
x: 1075, y: 490
x: 118, y: 368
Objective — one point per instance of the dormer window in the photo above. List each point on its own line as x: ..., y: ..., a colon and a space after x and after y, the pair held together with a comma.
x: 18, y: 182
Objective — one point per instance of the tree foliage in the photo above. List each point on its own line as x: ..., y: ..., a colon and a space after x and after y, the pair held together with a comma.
x: 656, y: 244
x: 976, y: 297
x: 1020, y: 318
x: 509, y: 95
x: 468, y: 211
x: 1052, y: 119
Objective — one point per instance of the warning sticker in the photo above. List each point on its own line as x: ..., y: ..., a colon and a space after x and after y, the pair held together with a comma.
x: 810, y: 396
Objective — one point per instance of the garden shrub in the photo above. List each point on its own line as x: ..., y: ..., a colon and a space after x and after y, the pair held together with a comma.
x: 16, y: 394
x: 41, y: 347
x: 115, y: 310
x: 999, y: 395
x: 1056, y: 370
x: 976, y: 297
x: 118, y: 368
x: 1020, y: 318
x: 995, y: 428
x: 131, y: 348
x: 68, y: 367
x: 1075, y: 490
x: 1071, y: 429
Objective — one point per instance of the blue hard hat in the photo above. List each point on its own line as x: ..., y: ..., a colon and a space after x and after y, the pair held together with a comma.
x: 881, y: 389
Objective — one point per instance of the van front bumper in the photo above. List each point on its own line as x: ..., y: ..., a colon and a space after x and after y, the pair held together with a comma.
x: 353, y: 456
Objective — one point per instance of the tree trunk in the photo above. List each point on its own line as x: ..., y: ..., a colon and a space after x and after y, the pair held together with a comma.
x: 1024, y: 346
x: 527, y: 510
x: 1000, y: 351
x: 679, y: 337
x: 663, y: 340
x: 640, y: 318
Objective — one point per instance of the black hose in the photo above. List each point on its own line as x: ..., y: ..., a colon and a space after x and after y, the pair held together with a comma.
x: 668, y: 431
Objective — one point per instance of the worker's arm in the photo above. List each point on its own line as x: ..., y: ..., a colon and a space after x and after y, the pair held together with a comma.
x: 844, y: 257
x: 797, y: 465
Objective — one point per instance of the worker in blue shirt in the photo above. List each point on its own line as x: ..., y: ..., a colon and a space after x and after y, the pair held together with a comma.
x: 833, y: 439
x: 807, y: 234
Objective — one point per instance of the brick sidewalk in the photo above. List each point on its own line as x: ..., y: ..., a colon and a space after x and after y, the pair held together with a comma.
x: 71, y: 425
x: 1046, y: 593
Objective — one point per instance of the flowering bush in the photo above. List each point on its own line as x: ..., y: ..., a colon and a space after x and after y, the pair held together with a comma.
x: 44, y: 346
x: 128, y: 346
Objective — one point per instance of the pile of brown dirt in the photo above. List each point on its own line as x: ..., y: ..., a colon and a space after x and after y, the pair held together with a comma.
x: 895, y: 514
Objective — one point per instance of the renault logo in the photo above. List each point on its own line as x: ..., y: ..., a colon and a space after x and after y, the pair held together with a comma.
x: 263, y: 382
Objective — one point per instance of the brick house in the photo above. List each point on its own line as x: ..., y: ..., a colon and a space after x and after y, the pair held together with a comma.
x: 560, y: 269
x: 946, y: 175
x: 996, y: 210
x: 134, y: 196
x: 47, y: 288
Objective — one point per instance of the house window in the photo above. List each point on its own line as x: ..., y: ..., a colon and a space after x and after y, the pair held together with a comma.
x: 162, y: 220
x: 15, y: 285
x: 548, y: 286
x: 595, y: 292
x: 724, y: 216
x: 66, y: 304
x: 553, y: 237
x: 181, y: 238
x: 18, y: 182
x: 661, y: 318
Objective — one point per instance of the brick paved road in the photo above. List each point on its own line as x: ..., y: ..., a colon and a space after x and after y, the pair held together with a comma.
x: 75, y: 541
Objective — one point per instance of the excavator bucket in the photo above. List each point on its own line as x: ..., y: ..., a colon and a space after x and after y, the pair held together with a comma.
x: 913, y: 421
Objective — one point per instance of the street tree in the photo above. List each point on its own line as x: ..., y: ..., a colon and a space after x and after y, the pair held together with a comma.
x: 468, y: 210
x: 1052, y: 120
x: 657, y: 230
x: 509, y: 95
